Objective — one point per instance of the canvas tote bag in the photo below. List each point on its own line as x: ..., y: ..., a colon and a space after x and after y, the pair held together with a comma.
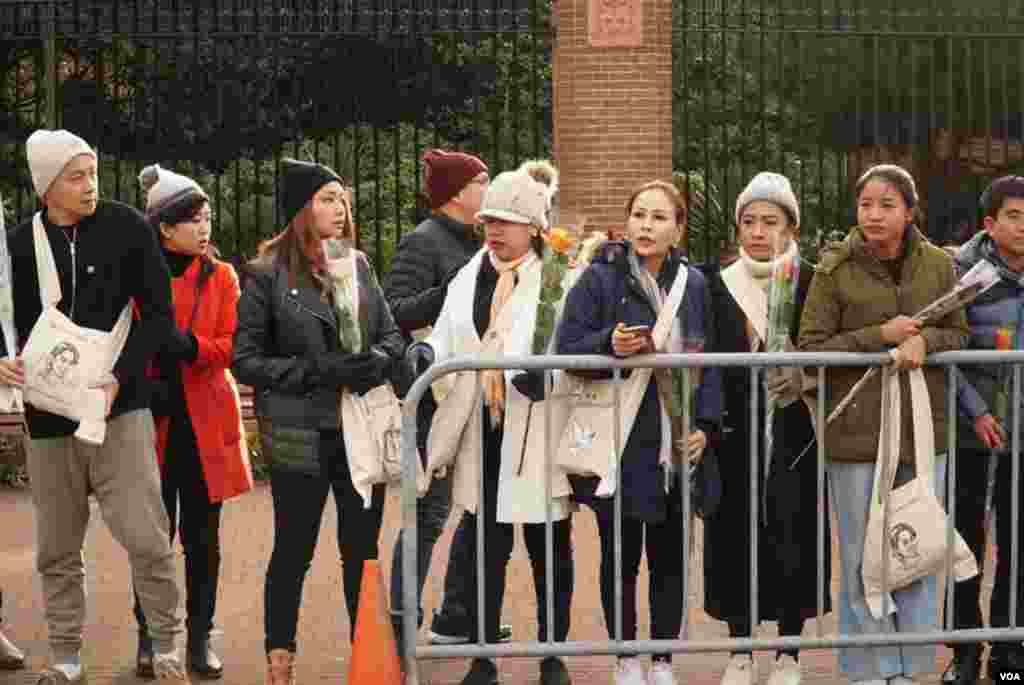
x: 371, y: 423
x: 587, y: 446
x: 915, y: 543
x: 65, y: 362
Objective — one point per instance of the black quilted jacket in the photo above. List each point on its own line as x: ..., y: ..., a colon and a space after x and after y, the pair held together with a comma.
x: 413, y: 287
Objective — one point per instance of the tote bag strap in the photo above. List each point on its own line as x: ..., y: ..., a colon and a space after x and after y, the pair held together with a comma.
x: 637, y: 383
x: 46, y: 267
x: 887, y: 461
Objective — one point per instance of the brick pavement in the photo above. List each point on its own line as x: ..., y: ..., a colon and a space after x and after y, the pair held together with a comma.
x: 247, y: 533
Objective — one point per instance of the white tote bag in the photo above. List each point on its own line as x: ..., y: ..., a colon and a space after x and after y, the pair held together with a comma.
x: 372, y: 427
x: 915, y: 543
x: 66, y: 363
x: 587, y: 446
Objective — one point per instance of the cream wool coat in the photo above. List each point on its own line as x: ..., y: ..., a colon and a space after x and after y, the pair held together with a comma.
x: 457, y: 428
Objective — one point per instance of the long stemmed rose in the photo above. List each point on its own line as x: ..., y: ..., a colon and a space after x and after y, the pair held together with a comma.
x: 561, y: 242
x: 341, y: 269
x: 781, y: 309
x: 1005, y: 341
x: 977, y: 280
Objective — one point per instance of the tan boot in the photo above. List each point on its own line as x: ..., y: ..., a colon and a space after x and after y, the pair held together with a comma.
x: 280, y: 667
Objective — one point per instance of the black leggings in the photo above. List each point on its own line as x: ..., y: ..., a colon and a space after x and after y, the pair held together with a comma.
x: 498, y: 542
x: 191, y: 514
x: 666, y: 554
x: 298, y: 508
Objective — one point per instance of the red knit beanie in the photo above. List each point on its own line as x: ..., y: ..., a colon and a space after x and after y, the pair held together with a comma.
x: 447, y: 173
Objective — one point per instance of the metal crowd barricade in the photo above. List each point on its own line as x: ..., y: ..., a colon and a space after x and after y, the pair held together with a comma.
x: 755, y: 362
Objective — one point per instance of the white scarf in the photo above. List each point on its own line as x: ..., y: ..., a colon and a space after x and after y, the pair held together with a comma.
x: 747, y: 281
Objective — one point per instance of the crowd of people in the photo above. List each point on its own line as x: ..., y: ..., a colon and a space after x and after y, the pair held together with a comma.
x: 465, y: 281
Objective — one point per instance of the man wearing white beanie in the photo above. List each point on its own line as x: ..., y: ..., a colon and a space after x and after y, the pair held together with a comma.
x: 106, y: 257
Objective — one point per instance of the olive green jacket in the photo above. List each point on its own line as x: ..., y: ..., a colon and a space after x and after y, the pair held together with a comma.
x: 851, y: 296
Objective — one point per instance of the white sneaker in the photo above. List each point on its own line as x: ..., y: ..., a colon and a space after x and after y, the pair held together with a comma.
x: 873, y: 681
x: 786, y: 671
x: 740, y: 671
x: 661, y: 674
x: 629, y: 672
x: 902, y: 680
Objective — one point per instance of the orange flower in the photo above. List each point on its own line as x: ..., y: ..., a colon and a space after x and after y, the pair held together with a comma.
x: 560, y: 240
x: 1004, y: 339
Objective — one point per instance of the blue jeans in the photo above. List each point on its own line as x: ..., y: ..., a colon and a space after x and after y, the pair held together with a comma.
x: 917, y: 606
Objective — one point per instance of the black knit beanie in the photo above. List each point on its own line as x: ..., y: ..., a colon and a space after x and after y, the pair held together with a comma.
x: 299, y: 183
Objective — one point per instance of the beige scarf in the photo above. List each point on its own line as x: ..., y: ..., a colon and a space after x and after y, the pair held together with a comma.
x: 494, y: 379
x: 748, y: 281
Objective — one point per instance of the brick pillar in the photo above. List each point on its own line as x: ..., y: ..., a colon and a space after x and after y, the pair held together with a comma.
x: 613, y: 103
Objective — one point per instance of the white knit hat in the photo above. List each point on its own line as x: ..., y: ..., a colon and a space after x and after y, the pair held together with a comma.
x: 165, y: 188
x: 49, y: 152
x: 770, y: 187
x: 514, y: 196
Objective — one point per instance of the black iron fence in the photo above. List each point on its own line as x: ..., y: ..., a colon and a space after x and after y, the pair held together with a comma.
x: 222, y: 89
x: 821, y: 90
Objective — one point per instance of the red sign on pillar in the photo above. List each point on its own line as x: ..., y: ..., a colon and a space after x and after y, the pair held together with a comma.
x: 615, y: 23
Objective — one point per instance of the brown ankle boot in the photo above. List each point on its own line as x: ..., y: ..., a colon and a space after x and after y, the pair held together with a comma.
x: 280, y: 667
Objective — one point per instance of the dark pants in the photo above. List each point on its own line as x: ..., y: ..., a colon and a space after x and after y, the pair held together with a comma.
x: 498, y: 541
x: 971, y: 479
x: 298, y: 509
x: 666, y: 554
x: 1000, y: 608
x: 432, y: 512
x: 184, y: 492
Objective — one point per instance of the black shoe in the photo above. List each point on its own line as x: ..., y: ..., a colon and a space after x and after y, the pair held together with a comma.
x: 554, y: 672
x: 447, y: 629
x: 202, y: 660
x: 965, y: 666
x: 144, y: 657
x: 482, y: 672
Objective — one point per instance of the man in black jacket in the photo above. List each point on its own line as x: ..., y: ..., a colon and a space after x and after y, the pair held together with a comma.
x: 106, y: 258
x: 425, y: 262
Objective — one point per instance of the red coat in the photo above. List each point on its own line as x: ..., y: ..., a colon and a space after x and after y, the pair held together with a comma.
x: 210, y: 390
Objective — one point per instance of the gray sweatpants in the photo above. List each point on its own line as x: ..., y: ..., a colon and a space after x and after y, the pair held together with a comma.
x: 123, y: 475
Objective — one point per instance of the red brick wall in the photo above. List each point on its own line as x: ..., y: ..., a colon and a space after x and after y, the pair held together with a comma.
x: 612, y: 112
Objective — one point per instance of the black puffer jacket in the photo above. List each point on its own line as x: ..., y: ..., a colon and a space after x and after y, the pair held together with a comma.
x: 415, y: 286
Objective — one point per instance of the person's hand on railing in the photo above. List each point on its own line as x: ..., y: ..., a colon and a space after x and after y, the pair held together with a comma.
x: 419, y: 357
x: 989, y: 431
x: 12, y: 372
x: 897, y: 330
x: 911, y: 353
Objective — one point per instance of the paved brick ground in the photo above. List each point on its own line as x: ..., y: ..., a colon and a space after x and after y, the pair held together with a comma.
x: 247, y: 533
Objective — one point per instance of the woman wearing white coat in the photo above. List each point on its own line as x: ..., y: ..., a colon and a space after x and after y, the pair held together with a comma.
x: 491, y: 309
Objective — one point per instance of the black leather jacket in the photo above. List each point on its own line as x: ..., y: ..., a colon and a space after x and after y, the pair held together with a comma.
x: 283, y: 329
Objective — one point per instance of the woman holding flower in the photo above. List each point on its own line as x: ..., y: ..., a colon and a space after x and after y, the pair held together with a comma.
x: 626, y: 285
x: 758, y: 300
x: 862, y: 298
x: 301, y: 341
x: 491, y: 308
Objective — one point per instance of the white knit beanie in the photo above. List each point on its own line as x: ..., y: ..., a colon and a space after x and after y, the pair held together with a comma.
x: 770, y: 187
x: 49, y: 152
x: 165, y: 188
x: 514, y: 196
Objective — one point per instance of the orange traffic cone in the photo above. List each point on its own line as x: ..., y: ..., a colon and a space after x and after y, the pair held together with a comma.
x: 374, y: 655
